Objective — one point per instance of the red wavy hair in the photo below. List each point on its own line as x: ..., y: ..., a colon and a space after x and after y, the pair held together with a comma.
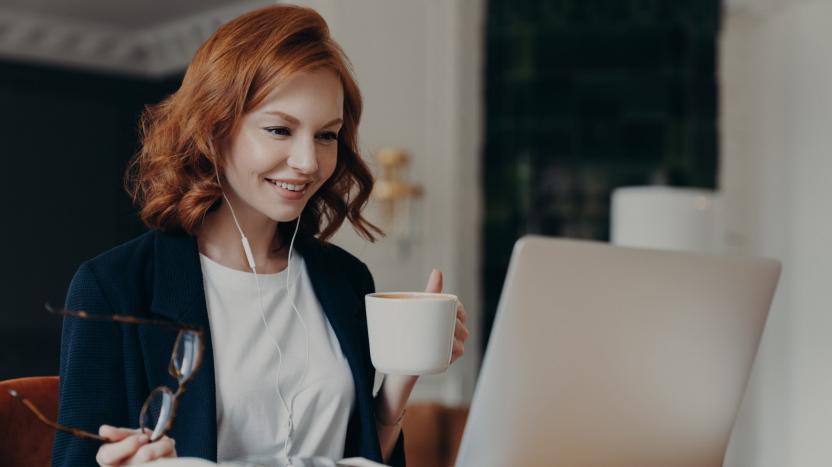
x: 172, y: 178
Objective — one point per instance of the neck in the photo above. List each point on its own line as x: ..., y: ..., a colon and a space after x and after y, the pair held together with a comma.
x: 219, y: 239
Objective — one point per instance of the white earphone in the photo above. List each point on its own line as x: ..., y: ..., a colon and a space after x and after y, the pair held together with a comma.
x: 250, y: 259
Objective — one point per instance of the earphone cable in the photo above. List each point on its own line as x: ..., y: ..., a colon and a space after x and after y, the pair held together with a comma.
x: 250, y: 257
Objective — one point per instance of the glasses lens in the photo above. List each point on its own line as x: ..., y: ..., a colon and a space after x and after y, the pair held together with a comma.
x: 186, y: 354
x: 157, y: 412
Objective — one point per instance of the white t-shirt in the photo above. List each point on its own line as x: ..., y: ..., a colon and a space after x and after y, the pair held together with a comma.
x: 251, y: 421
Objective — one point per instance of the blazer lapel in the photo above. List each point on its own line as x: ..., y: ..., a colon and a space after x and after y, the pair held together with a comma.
x: 179, y: 295
x: 342, y: 307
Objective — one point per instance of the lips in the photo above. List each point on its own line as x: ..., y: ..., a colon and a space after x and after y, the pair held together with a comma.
x: 297, y: 186
x: 290, y: 191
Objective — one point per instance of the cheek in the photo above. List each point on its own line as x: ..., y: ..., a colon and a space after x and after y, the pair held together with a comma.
x: 326, y: 167
x: 263, y: 158
x: 329, y: 165
x: 238, y: 158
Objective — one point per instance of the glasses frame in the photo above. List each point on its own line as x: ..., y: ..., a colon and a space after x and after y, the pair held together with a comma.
x: 172, y: 370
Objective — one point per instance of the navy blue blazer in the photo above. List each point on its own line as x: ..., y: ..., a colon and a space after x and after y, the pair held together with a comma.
x: 108, y: 369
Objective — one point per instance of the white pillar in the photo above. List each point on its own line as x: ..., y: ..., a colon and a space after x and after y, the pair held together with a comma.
x: 776, y: 177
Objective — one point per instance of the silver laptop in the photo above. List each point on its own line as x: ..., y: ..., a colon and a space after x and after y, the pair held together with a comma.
x: 605, y: 356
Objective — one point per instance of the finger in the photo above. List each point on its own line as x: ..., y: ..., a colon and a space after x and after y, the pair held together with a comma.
x: 115, y: 453
x: 164, y: 447
x: 434, y: 282
x: 461, y: 313
x: 113, y: 433
x: 461, y: 332
x: 459, y: 349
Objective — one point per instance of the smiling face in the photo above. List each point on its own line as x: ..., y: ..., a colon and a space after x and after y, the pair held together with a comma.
x: 287, y: 147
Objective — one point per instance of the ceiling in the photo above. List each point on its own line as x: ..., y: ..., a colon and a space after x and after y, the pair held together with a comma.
x: 764, y: 7
x: 147, y: 38
x: 132, y: 15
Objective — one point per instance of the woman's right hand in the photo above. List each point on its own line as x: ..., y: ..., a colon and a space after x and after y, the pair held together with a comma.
x: 129, y: 446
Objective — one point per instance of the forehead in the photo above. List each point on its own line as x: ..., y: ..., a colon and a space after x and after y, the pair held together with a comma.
x: 313, y: 96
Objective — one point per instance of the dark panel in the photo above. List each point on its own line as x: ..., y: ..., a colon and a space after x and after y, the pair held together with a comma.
x: 583, y: 96
x: 66, y: 139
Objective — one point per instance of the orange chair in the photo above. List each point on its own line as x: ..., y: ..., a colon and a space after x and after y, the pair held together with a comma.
x: 25, y: 441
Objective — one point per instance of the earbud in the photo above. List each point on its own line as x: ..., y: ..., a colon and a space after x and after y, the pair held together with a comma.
x: 249, y: 254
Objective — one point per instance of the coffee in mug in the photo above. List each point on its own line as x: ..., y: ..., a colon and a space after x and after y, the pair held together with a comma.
x: 411, y: 333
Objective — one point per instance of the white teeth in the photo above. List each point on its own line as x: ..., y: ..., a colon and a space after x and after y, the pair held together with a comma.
x: 288, y: 186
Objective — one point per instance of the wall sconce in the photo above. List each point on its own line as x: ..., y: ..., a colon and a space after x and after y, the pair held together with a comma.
x: 390, y: 189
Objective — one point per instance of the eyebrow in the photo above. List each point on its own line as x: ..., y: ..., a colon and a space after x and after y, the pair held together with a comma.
x: 295, y: 121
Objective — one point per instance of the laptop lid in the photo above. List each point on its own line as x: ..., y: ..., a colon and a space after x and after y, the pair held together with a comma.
x: 604, y: 356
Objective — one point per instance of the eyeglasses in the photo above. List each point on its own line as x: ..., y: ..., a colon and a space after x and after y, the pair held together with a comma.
x: 159, y: 408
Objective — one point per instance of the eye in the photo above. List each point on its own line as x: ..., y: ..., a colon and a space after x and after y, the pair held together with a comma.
x: 279, y: 131
x: 328, y: 136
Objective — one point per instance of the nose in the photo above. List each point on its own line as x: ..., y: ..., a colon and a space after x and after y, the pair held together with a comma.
x: 303, y: 157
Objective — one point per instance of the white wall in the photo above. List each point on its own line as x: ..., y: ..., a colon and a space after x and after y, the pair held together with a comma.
x: 776, y: 150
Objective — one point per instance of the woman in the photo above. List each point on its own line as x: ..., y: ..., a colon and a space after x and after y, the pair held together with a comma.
x: 243, y: 174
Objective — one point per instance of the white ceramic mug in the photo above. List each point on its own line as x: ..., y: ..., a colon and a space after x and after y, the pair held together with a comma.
x: 411, y: 333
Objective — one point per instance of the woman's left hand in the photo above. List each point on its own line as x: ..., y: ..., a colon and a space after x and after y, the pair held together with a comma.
x: 460, y: 331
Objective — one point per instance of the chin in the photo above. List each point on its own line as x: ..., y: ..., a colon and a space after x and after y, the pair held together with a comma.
x: 284, y: 213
